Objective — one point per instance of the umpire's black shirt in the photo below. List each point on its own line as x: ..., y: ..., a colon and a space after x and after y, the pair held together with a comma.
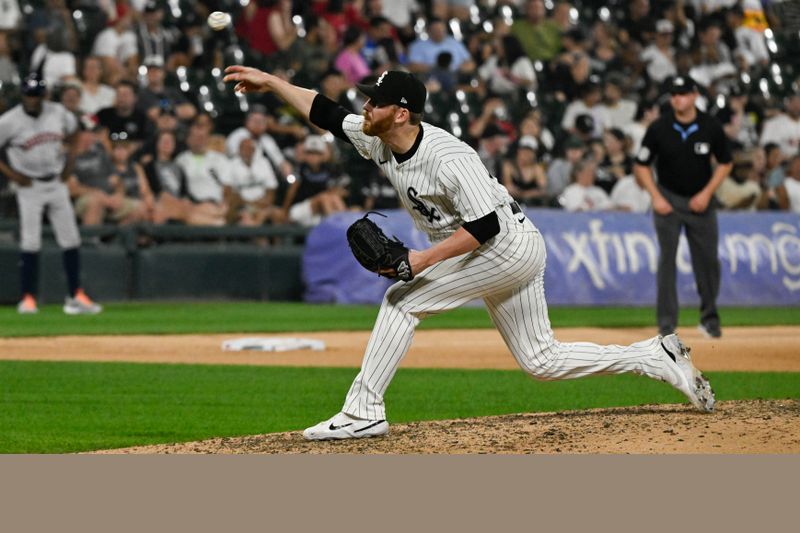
x: 682, y: 152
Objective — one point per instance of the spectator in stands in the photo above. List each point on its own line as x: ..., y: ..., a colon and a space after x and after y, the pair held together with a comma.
x: 124, y: 116
x: 508, y: 70
x: 628, y: 195
x: 349, y: 61
x: 447, y: 9
x: 334, y: 86
x: 583, y: 194
x: 540, y: 36
x: 89, y: 184
x: 531, y: 125
x: 95, y: 94
x: 712, y: 59
x: 604, y: 49
x: 634, y: 69
x: 660, y: 56
x: 53, y: 59
x: 311, y: 57
x: 10, y: 16
x: 189, y: 49
x: 166, y: 181
x: 590, y: 104
x: 571, y: 70
x: 585, y: 131
x: 617, y: 163
x: 684, y: 27
x: 9, y: 71
x: 156, y: 97
x: 620, y: 111
x: 774, y: 170
x: 441, y: 77
x: 252, y: 186
x: 152, y: 38
x: 116, y: 45
x: 422, y: 54
x: 401, y: 13
x: 132, y: 192
x: 495, y: 112
x: 784, y: 129
x: 168, y: 184
x: 524, y: 176
x: 646, y: 113
x: 51, y: 20
x: 750, y: 43
x: 204, y: 170
x: 381, y: 49
x: 744, y: 187
x: 637, y: 22
x: 739, y: 125
x: 70, y: 97
x: 317, y: 192
x: 255, y: 127
x: 560, y: 170
x: 492, y: 148
x: 267, y: 26
x: 788, y: 193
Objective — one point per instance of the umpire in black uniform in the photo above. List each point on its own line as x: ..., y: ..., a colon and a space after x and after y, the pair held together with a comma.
x: 681, y: 143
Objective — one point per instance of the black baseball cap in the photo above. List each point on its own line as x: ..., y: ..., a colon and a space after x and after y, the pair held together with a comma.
x: 682, y: 85
x: 34, y: 85
x: 398, y: 88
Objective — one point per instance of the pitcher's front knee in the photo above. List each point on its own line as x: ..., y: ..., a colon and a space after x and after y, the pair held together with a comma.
x: 540, y: 364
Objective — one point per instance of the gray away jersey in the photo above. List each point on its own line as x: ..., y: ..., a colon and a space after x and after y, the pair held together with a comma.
x: 35, y: 144
x: 442, y: 186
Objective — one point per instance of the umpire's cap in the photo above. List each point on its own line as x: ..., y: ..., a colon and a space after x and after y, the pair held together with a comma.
x: 682, y: 85
x: 399, y: 88
x: 34, y: 85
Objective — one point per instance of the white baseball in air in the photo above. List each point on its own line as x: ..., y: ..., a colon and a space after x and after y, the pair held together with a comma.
x: 219, y: 20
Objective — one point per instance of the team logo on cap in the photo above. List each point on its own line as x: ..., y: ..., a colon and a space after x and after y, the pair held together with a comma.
x: 380, y: 79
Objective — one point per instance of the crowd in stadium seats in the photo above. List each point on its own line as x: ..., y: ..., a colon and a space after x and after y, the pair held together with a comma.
x: 555, y: 96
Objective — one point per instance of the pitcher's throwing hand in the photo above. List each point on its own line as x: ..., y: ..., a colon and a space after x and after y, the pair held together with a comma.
x: 248, y: 79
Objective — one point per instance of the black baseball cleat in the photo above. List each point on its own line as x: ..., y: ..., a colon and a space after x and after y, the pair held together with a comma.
x: 710, y: 331
x: 344, y: 426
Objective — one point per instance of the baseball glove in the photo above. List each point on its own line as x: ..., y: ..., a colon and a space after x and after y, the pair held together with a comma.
x: 376, y: 252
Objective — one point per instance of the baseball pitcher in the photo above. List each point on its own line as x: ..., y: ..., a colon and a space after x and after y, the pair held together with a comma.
x: 483, y: 247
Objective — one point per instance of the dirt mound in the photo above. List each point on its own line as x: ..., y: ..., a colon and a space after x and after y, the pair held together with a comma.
x: 756, y: 426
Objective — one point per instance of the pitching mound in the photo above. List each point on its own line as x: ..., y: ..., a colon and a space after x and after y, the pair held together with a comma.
x: 758, y: 426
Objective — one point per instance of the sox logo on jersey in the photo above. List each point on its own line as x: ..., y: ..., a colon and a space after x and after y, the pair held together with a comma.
x: 419, y: 205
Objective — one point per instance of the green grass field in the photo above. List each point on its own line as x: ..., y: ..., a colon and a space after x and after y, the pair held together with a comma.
x: 48, y: 407
x: 245, y: 317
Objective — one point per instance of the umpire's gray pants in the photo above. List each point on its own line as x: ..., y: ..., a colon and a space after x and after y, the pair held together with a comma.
x: 702, y: 234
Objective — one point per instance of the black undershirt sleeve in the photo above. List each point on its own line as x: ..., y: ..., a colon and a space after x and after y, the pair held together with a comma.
x: 328, y: 115
x: 483, y: 228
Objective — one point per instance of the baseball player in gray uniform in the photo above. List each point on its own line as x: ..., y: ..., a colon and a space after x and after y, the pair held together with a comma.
x: 33, y: 135
x: 483, y: 246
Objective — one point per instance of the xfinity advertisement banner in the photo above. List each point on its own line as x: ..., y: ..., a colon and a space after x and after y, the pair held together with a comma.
x: 593, y: 259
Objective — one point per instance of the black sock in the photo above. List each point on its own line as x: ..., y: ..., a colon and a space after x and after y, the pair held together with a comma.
x: 29, y: 272
x: 72, y: 265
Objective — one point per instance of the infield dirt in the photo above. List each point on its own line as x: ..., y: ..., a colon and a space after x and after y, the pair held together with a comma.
x: 736, y: 427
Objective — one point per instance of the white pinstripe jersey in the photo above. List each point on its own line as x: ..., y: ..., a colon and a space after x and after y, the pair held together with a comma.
x: 443, y: 185
x: 35, y: 143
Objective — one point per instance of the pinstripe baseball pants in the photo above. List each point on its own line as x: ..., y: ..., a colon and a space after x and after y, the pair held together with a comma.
x: 508, y: 273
